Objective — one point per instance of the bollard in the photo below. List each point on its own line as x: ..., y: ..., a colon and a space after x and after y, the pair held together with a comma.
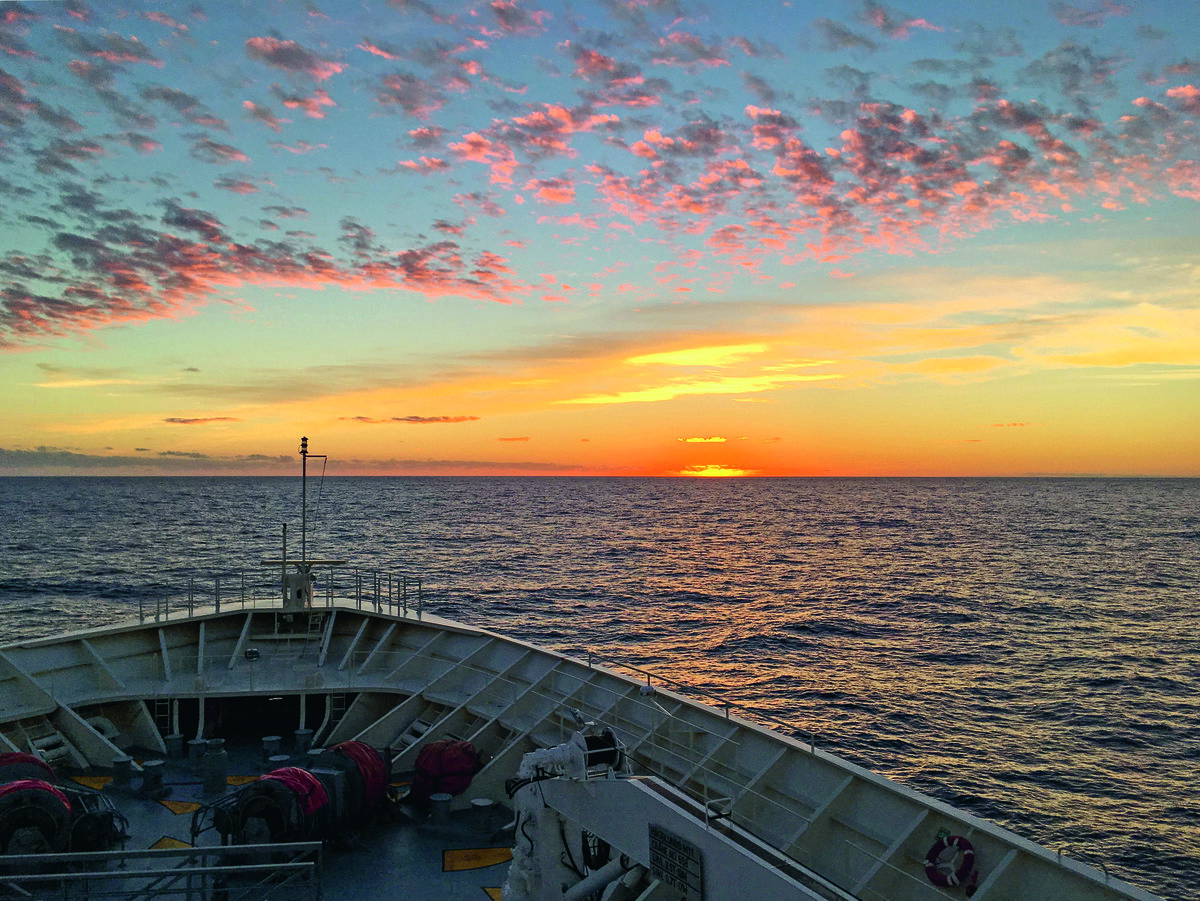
x: 271, y: 745
x: 152, y: 777
x: 215, y: 766
x: 303, y: 740
x: 122, y: 769
x: 439, y: 808
x: 196, y: 748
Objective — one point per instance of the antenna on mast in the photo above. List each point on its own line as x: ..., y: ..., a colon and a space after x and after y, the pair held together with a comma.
x: 304, y: 455
x: 298, y: 586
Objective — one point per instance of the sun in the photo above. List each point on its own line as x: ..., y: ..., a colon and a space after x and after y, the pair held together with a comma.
x: 714, y: 471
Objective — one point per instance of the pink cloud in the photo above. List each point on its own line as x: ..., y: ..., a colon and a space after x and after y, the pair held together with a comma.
x: 314, y: 107
x: 264, y: 115
x: 552, y: 190
x: 1086, y: 17
x: 1188, y: 96
x: 425, y: 165
x: 510, y: 18
x: 681, y: 48
x: 408, y: 92
x: 494, y: 154
x: 378, y: 50
x: 291, y: 57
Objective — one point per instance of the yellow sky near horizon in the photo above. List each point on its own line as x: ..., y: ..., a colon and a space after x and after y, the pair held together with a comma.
x: 957, y: 374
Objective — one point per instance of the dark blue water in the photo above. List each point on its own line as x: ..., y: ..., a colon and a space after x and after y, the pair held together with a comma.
x: 1026, y: 649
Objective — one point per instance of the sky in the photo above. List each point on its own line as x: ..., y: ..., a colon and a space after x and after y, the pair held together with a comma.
x: 621, y: 237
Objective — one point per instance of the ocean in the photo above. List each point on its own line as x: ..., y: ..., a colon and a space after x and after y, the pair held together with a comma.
x: 1027, y: 649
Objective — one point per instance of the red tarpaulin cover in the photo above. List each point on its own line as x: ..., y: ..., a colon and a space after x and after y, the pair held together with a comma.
x: 10, y: 788
x: 11, y: 757
x: 371, y: 765
x: 445, y: 766
x: 312, y: 793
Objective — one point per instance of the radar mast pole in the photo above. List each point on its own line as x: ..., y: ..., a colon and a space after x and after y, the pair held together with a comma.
x: 303, y: 499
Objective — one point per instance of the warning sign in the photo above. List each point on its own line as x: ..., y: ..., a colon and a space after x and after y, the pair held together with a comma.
x: 676, y: 863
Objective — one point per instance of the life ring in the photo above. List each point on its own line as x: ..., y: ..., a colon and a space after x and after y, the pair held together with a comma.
x: 940, y: 867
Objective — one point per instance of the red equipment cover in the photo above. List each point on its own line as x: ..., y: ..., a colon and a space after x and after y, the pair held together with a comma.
x: 10, y: 788
x: 312, y: 793
x: 11, y: 758
x: 445, y: 766
x: 374, y: 771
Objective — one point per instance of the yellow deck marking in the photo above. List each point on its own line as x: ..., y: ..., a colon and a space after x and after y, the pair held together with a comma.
x: 240, y: 780
x: 493, y: 893
x: 167, y: 842
x: 178, y: 807
x: 474, y: 858
x: 96, y: 782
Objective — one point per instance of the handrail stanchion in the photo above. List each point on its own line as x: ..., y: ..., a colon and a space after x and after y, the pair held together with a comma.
x: 217, y: 592
x: 420, y: 600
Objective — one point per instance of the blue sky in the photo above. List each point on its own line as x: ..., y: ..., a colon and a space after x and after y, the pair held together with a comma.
x: 469, y: 237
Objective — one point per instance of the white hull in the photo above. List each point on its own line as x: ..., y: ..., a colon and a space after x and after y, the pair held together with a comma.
x: 747, y: 800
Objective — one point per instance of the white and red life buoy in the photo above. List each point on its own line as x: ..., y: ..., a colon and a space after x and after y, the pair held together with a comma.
x: 950, y: 862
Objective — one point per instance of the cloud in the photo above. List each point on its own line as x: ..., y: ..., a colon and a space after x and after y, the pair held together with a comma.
x: 204, y: 420
x: 750, y: 384
x: 700, y: 356
x: 413, y: 420
x: 1088, y: 17
x: 292, y: 57
x: 209, y: 151
x: 691, y: 149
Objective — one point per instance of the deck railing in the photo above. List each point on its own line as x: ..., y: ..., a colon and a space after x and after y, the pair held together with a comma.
x: 278, y: 871
x: 384, y: 592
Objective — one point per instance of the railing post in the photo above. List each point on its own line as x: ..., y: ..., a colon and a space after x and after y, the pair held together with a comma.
x: 420, y: 600
x: 217, y: 592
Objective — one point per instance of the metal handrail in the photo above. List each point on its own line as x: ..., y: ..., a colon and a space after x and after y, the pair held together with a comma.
x: 720, y: 700
x: 401, y: 594
x: 87, y: 874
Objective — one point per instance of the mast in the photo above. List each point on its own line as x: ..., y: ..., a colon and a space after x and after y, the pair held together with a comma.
x: 298, y: 586
x: 303, y: 499
x: 304, y: 455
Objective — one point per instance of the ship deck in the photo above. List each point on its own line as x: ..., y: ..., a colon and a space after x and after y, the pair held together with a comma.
x: 458, y: 855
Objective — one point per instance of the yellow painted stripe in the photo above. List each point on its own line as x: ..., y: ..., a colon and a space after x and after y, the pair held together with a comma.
x: 493, y: 893
x: 474, y: 858
x: 240, y: 780
x: 96, y: 782
x: 167, y: 842
x: 178, y: 807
